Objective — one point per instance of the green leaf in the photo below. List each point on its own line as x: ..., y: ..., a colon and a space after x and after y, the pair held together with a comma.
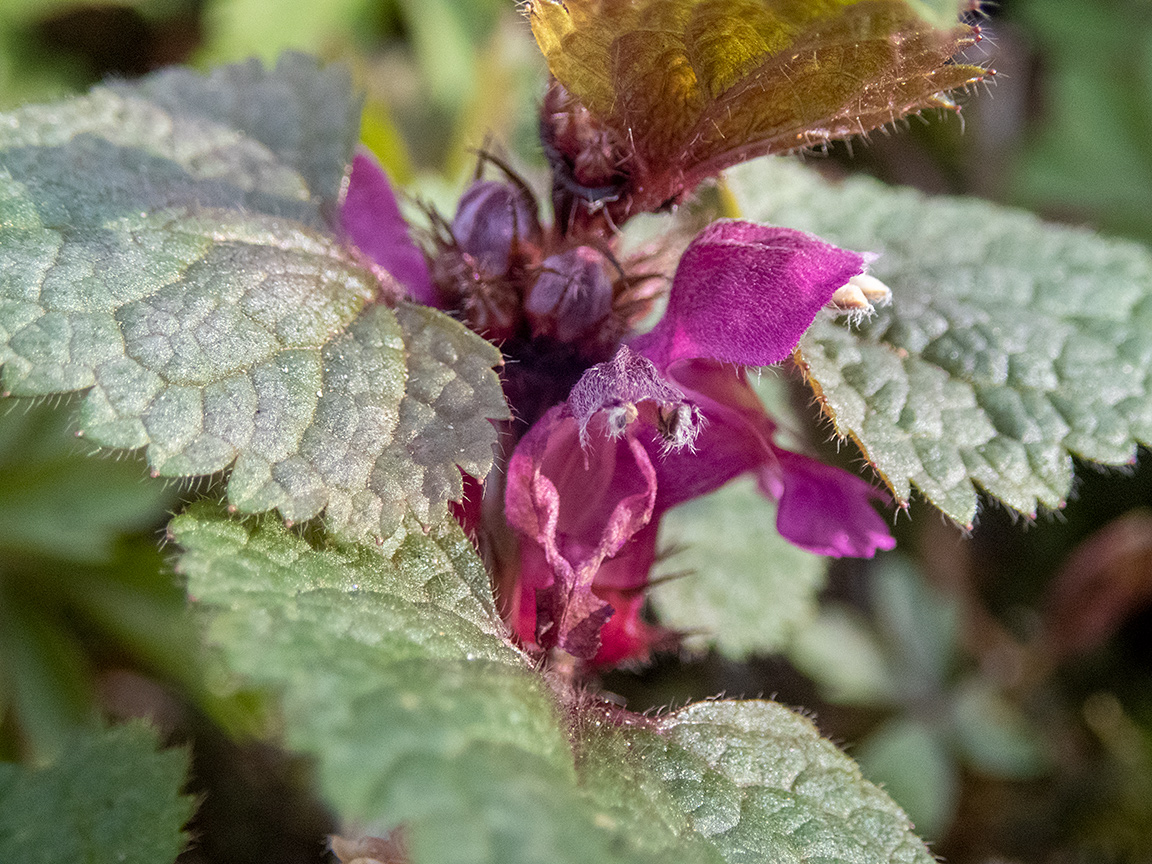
x: 237, y: 29
x: 745, y: 587
x: 1089, y: 158
x: 396, y: 676
x: 443, y: 45
x: 304, y: 113
x: 753, y: 778
x: 31, y: 11
x: 60, y: 621
x: 911, y: 759
x: 165, y: 247
x: 938, y: 13
x: 906, y: 655
x: 72, y: 585
x: 45, y: 679
x: 994, y: 735
x: 920, y: 624
x: 841, y: 652
x: 112, y: 800
x: 1009, y: 345
x: 56, y: 502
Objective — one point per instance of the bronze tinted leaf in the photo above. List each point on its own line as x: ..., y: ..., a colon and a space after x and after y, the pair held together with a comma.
x: 686, y: 88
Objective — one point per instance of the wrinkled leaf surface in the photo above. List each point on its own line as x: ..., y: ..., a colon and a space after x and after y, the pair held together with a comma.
x: 1010, y: 345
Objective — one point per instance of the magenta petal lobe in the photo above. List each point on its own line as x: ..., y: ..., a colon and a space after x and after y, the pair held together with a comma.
x: 620, y: 386
x: 745, y: 293
x: 371, y: 219
x: 824, y: 509
x: 579, y: 507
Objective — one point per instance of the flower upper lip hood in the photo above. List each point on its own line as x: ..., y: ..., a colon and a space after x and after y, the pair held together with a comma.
x: 669, y: 417
x: 745, y: 293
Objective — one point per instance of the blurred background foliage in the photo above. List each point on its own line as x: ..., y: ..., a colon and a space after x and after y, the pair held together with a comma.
x: 1000, y: 685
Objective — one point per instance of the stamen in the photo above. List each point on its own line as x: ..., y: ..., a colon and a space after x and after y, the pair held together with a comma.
x: 860, y: 296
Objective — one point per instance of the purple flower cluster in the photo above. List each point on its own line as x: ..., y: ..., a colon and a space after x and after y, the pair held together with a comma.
x: 640, y: 423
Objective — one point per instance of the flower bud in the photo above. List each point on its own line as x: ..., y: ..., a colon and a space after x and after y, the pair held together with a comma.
x: 571, y: 296
x: 492, y: 219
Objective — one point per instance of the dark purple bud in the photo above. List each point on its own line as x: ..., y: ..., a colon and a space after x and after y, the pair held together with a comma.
x: 571, y: 296
x: 490, y: 219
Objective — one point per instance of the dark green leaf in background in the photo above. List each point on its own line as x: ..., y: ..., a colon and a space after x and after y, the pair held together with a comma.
x: 34, y: 69
x: 1090, y: 154
x: 112, y: 800
x: 79, y: 574
x: 844, y: 656
x: 56, y: 502
x: 1009, y: 345
x: 46, y: 691
x: 912, y: 760
x: 994, y: 736
x: 908, y: 660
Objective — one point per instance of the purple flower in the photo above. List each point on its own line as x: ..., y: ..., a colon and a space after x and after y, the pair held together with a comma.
x: 669, y: 418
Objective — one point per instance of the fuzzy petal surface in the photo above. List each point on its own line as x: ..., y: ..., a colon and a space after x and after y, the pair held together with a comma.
x: 824, y: 509
x: 370, y: 217
x: 745, y: 293
x: 579, y: 505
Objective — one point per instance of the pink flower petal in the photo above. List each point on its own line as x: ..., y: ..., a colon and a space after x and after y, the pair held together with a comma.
x: 623, y: 583
x: 824, y: 509
x: 620, y: 588
x: 625, y: 636
x: 735, y: 436
x: 371, y: 219
x: 468, y: 511
x: 617, y: 387
x: 579, y: 505
x: 745, y: 293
